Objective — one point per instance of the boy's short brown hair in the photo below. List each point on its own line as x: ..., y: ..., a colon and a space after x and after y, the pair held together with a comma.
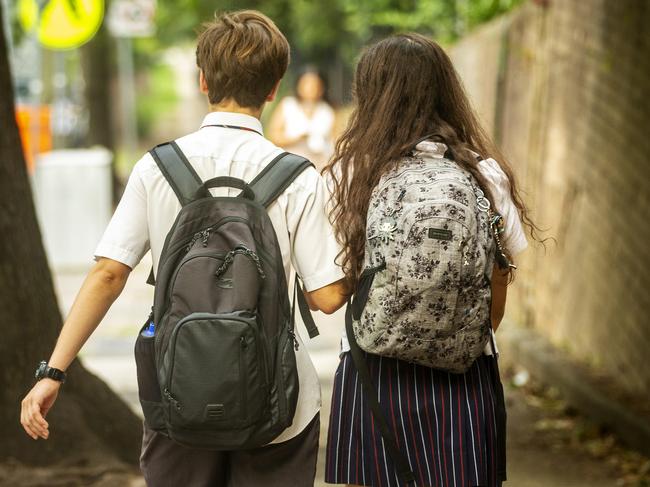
x: 242, y: 55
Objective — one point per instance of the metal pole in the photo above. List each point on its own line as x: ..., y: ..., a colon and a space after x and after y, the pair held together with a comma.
x: 59, y: 82
x: 128, y: 122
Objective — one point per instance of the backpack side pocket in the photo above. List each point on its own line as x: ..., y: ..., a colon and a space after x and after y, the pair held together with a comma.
x: 148, y: 386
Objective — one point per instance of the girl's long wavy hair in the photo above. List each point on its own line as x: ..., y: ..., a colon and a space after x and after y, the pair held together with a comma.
x: 405, y: 89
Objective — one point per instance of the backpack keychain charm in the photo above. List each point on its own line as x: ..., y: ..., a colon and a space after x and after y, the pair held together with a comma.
x: 386, y: 228
x: 497, y: 225
x: 388, y: 225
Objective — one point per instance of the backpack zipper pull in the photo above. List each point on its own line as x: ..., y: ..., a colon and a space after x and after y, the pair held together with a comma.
x: 230, y: 257
x: 226, y: 263
x: 205, y: 235
x: 296, y: 345
x: 172, y: 399
x: 252, y: 256
x: 498, y: 227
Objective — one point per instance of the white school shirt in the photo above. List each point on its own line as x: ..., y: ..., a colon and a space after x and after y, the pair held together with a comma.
x: 513, y: 238
x: 149, y: 207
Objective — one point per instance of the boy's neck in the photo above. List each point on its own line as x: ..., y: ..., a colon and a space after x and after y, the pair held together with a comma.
x: 232, y: 107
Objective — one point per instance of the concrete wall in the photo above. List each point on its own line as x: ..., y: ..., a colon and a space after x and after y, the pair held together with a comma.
x: 565, y: 90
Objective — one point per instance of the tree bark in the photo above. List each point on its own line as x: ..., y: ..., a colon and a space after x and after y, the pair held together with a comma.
x: 88, y: 422
x: 98, y: 66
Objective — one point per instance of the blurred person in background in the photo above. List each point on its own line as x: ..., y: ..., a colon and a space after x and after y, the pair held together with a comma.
x: 304, y: 123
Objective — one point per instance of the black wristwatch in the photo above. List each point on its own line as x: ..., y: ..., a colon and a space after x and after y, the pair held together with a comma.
x: 45, y: 371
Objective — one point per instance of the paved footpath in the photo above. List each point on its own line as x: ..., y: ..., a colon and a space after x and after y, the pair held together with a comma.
x: 532, y: 461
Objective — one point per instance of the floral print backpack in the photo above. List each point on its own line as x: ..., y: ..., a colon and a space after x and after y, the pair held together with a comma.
x: 424, y: 296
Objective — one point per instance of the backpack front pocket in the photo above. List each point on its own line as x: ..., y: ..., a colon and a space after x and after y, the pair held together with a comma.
x: 432, y: 266
x: 215, y: 372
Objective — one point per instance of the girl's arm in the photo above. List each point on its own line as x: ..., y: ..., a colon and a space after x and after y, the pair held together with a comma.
x: 499, y: 292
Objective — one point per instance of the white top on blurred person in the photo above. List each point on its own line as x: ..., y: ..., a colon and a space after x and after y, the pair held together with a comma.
x: 304, y: 124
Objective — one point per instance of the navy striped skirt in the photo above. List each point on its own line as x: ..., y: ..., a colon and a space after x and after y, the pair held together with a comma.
x: 450, y: 427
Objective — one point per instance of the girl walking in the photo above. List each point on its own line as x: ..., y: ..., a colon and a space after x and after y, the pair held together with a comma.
x: 447, y: 423
x: 304, y: 123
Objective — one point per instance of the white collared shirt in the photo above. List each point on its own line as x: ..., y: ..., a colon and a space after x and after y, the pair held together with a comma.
x: 149, y: 207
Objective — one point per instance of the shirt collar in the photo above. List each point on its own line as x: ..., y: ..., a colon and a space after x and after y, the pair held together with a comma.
x: 434, y: 149
x: 234, y: 119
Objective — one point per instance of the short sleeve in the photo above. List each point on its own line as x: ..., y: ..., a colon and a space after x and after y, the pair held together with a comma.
x: 514, y: 237
x: 314, y: 247
x: 126, y: 239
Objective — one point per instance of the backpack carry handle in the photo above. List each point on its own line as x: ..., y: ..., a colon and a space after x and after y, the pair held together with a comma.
x: 229, y: 181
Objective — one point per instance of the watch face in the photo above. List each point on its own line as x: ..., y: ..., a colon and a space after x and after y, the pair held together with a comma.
x: 40, y: 370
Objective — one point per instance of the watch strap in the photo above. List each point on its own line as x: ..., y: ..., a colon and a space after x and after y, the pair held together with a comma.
x: 45, y: 371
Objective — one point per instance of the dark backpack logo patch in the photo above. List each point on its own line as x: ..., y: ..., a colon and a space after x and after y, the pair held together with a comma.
x: 440, y: 234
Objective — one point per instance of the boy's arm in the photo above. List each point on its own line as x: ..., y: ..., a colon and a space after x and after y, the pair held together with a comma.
x: 314, y: 248
x: 329, y: 298
x: 102, y: 286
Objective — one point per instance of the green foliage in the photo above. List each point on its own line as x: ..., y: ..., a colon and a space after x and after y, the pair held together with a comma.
x: 319, y: 28
x: 328, y: 33
x: 159, y: 96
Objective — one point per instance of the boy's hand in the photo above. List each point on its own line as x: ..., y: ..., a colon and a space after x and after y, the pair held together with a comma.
x: 35, y: 406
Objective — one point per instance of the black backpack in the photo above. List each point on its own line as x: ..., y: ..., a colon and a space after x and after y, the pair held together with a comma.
x: 219, y: 370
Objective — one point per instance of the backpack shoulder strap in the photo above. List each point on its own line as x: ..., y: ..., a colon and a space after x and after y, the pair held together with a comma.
x: 267, y: 186
x: 180, y: 175
x: 178, y: 172
x: 277, y: 176
x: 300, y: 301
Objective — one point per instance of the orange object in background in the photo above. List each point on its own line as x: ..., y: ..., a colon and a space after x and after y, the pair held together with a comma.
x: 35, y: 131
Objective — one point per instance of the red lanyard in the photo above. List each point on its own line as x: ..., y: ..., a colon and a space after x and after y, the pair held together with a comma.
x: 236, y: 127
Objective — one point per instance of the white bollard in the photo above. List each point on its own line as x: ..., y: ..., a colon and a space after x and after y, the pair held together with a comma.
x: 72, y: 192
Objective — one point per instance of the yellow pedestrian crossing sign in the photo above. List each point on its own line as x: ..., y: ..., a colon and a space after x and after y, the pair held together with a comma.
x: 61, y: 24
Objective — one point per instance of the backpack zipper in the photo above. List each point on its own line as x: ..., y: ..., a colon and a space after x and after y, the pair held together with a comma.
x: 172, y: 399
x: 292, y: 334
x: 210, y: 229
x: 243, y: 375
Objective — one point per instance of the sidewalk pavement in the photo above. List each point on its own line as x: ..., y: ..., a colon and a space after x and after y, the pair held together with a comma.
x: 532, y: 461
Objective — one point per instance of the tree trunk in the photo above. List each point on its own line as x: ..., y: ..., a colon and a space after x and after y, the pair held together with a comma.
x: 88, y: 422
x: 98, y: 66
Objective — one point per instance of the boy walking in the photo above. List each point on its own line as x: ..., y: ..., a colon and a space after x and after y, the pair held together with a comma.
x: 242, y: 57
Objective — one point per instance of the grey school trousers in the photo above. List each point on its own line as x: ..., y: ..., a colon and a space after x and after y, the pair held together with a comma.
x: 291, y: 463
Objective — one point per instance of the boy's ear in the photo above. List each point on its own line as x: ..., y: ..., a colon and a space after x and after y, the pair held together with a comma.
x: 203, y: 84
x: 274, y: 92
